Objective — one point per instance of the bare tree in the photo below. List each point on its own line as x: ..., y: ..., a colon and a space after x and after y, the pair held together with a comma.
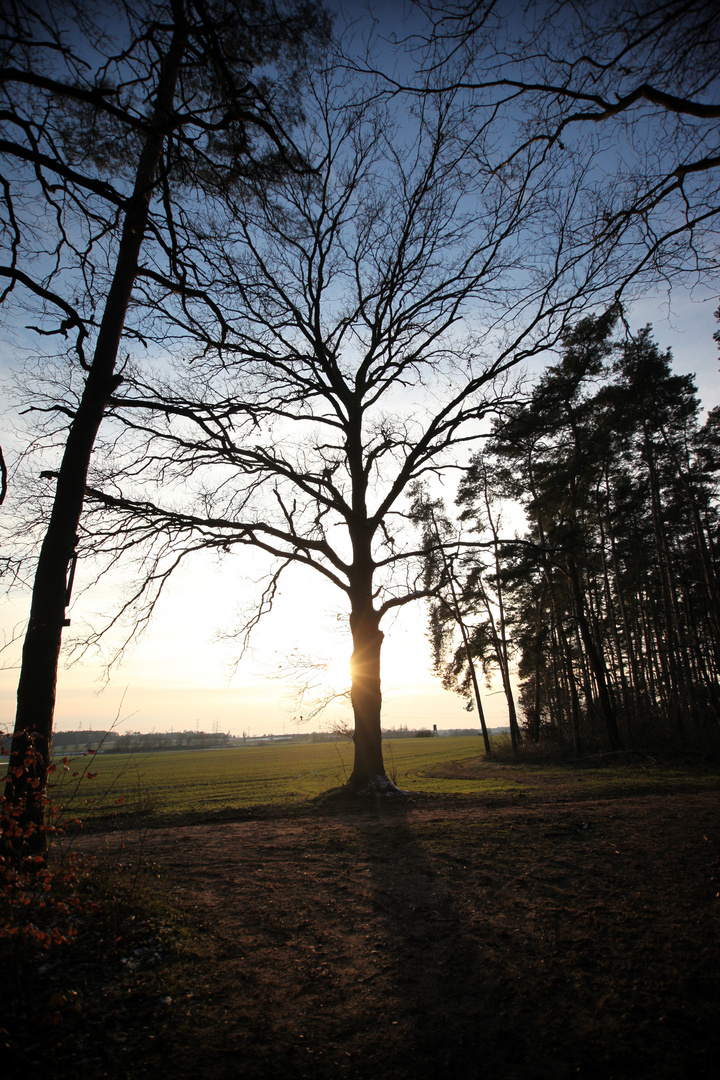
x: 113, y: 121
x: 367, y: 310
x: 631, y: 90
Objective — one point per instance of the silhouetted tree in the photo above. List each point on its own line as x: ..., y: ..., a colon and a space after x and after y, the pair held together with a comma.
x: 613, y: 594
x: 115, y: 121
x: 370, y: 307
x: 448, y: 607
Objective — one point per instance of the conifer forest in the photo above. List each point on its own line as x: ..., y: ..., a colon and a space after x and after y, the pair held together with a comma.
x: 609, y: 596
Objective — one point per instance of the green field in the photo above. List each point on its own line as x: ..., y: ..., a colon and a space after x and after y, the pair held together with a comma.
x: 213, y: 781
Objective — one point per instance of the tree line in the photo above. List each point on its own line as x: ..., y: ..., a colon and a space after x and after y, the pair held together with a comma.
x: 609, y: 598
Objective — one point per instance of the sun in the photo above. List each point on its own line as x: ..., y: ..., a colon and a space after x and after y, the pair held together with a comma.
x: 335, y: 672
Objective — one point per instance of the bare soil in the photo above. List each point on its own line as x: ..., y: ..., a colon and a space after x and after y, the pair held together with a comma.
x: 538, y: 936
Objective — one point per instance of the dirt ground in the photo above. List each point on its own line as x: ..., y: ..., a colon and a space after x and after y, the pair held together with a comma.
x: 551, y: 935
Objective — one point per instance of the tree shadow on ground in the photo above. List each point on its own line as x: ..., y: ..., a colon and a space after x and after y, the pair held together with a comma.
x: 420, y: 939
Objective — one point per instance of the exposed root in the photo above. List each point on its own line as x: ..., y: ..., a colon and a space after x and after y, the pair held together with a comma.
x: 348, y: 794
x: 380, y: 784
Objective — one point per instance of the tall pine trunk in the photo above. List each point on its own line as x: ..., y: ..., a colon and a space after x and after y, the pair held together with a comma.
x: 32, y: 736
x: 594, y: 657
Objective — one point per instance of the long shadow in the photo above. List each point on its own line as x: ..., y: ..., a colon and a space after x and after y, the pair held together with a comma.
x: 448, y: 1006
x: 390, y: 941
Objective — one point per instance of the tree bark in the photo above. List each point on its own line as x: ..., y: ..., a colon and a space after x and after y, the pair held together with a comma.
x: 368, y: 775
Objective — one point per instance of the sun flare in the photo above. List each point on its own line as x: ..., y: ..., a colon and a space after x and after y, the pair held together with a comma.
x: 336, y: 673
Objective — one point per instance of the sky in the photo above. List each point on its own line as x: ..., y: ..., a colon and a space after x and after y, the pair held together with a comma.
x: 182, y: 674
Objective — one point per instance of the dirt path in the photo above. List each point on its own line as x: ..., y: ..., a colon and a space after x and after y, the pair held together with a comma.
x: 439, y: 938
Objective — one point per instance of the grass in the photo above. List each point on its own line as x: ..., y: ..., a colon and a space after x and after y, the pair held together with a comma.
x: 202, y: 784
x: 206, y: 782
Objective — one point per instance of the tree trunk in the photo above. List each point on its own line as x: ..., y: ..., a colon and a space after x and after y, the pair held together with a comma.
x: 476, y: 691
x: 538, y: 643
x: 30, y: 751
x: 595, y: 658
x: 458, y: 616
x: 676, y: 654
x: 368, y: 775
x: 567, y: 657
